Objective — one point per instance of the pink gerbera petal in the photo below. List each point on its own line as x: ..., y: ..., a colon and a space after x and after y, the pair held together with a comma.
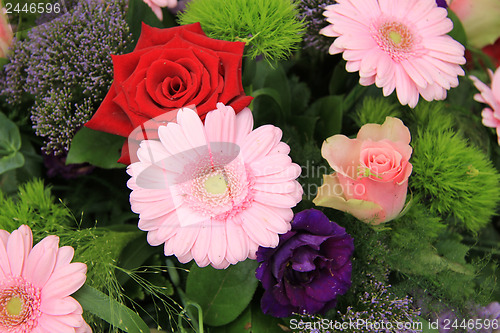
x: 397, y: 44
x: 35, y: 293
x: 227, y: 194
x: 490, y: 96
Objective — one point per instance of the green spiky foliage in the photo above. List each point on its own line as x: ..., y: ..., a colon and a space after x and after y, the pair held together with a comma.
x: 454, y: 178
x: 375, y: 110
x: 34, y: 206
x: 269, y: 28
x: 98, y: 248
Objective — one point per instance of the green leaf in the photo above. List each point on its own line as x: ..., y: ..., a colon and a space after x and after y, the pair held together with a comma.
x: 262, y: 323
x: 304, y: 124
x: 139, y: 12
x: 242, y: 324
x: 252, y: 320
x: 271, y: 92
x: 134, y: 255
x: 117, y: 314
x: 223, y: 294
x: 10, y: 143
x: 95, y: 147
x: 330, y: 110
x: 458, y: 31
x: 277, y: 80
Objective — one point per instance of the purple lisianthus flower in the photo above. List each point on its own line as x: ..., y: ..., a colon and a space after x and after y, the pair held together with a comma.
x: 309, y: 269
x: 442, y: 3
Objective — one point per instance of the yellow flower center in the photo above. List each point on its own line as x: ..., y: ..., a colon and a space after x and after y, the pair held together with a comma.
x: 216, y: 184
x: 14, y: 306
x: 395, y: 37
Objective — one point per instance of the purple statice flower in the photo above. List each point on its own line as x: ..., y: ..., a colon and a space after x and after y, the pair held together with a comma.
x: 65, y: 65
x: 309, y: 269
x: 382, y: 311
x: 311, y: 11
x: 64, y: 5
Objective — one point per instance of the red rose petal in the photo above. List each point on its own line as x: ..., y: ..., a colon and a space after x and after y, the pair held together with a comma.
x: 110, y: 118
x: 151, y: 36
x: 162, y: 71
x: 201, y: 71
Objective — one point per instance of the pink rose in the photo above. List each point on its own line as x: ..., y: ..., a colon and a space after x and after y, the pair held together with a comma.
x: 372, y: 171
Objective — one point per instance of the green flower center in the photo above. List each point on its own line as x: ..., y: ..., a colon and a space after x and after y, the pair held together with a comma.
x: 216, y: 184
x: 395, y: 37
x: 14, y: 306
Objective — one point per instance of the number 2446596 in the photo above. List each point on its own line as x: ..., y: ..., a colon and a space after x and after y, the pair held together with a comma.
x: 33, y: 8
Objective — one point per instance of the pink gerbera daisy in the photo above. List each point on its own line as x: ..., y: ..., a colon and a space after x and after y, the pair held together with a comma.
x: 397, y: 44
x: 214, y: 192
x: 36, y: 284
x: 491, y: 115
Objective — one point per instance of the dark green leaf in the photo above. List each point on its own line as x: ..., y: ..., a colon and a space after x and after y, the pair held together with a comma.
x: 458, y: 32
x: 10, y: 162
x: 117, y: 314
x: 330, y: 111
x: 271, y: 92
x: 277, y: 80
x: 223, y: 294
x: 10, y: 143
x: 242, y: 324
x: 262, y: 323
x: 252, y: 320
x: 139, y: 12
x: 97, y: 148
x: 304, y: 124
x: 134, y: 255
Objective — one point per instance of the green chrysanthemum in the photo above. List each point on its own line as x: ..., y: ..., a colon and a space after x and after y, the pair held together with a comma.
x: 269, y: 28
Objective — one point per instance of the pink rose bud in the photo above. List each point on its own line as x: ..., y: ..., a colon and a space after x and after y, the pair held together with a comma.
x: 371, y: 178
x: 6, y: 34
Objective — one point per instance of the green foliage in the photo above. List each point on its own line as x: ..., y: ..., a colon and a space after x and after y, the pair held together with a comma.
x: 10, y: 143
x: 98, y: 248
x: 222, y: 294
x: 113, y: 312
x: 97, y: 148
x: 375, y: 110
x: 456, y: 180
x: 35, y: 207
x: 252, y: 320
x: 430, y: 257
x: 269, y: 28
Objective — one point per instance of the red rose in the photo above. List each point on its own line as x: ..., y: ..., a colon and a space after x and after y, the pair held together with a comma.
x: 169, y: 69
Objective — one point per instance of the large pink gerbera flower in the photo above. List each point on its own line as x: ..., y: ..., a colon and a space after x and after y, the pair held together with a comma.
x: 214, y: 192
x: 491, y: 115
x: 397, y: 44
x: 36, y: 284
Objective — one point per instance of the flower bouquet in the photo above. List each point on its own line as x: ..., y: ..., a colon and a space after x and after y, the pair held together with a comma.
x: 254, y: 166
